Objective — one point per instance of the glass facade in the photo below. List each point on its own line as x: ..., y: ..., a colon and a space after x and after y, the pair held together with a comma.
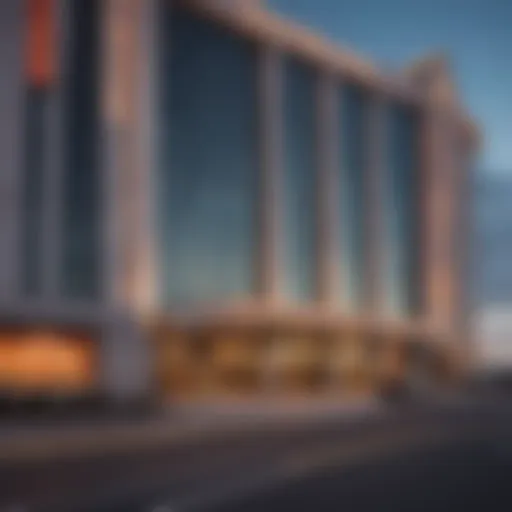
x: 81, y: 181
x: 299, y: 181
x: 352, y: 146
x: 208, y: 178
x: 401, y: 214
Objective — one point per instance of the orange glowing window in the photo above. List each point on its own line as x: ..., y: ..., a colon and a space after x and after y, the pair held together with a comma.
x: 46, y: 359
x: 40, y: 42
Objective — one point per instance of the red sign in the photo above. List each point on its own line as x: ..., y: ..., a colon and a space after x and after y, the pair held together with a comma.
x: 40, y: 42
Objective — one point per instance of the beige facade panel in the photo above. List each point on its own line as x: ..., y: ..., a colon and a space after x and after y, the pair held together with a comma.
x: 327, y: 198
x: 270, y: 144
x: 129, y: 106
x: 374, y: 187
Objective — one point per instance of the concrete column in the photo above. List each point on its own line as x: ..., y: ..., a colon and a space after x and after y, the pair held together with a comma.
x: 53, y: 166
x: 117, y: 113
x: 127, y: 363
x: 130, y: 107
x: 328, y: 191
x: 108, y: 159
x: 437, y: 217
x: 464, y: 226
x: 462, y: 257
x: 12, y: 91
x: 271, y: 144
x: 127, y: 166
x: 373, y: 299
x: 147, y: 125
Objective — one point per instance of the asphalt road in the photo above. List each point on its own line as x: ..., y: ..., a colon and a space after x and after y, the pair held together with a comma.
x: 428, y: 459
x: 460, y: 476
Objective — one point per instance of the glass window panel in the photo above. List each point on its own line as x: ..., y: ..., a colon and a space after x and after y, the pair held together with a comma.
x: 299, y: 180
x: 401, y: 212
x: 209, y: 165
x: 82, y: 205
x: 351, y: 194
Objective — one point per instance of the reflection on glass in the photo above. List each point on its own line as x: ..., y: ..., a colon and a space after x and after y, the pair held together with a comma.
x: 299, y: 181
x: 209, y: 164
x: 351, y: 193
x: 401, y: 211
x: 80, y: 270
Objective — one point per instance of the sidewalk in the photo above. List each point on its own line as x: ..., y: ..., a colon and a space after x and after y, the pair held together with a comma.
x: 179, y: 423
x: 274, y: 410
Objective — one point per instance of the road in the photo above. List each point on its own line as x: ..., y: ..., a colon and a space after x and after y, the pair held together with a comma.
x: 418, y: 459
x: 460, y: 476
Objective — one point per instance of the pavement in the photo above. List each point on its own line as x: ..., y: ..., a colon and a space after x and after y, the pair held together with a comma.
x: 457, y: 476
x: 51, y: 439
x: 210, y: 456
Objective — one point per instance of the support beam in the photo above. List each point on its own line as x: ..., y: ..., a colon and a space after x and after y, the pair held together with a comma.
x: 126, y: 355
x: 464, y: 226
x: 373, y: 299
x: 327, y: 191
x: 130, y: 124
x: 117, y: 114
x: 437, y: 214
x: 12, y: 88
x: 53, y: 165
x: 145, y: 292
x: 271, y: 147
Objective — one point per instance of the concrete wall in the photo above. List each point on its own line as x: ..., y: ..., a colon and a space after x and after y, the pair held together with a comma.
x: 11, y: 162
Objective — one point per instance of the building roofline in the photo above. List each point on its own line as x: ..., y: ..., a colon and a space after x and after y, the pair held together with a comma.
x: 253, y: 20
x: 435, y: 69
x: 258, y: 23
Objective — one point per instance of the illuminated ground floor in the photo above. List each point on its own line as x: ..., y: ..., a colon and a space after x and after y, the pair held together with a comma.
x: 237, y: 361
x: 292, y: 360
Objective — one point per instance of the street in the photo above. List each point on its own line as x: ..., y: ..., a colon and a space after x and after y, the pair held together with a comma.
x: 415, y: 459
x: 458, y: 477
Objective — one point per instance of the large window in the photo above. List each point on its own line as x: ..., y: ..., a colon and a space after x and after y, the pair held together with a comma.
x: 401, y: 212
x: 81, y: 229
x: 299, y: 181
x: 351, y: 193
x: 79, y: 260
x: 209, y: 162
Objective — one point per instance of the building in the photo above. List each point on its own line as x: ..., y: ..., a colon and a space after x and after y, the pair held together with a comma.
x: 207, y: 196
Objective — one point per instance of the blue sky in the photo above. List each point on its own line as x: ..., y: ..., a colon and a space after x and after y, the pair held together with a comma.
x: 476, y: 34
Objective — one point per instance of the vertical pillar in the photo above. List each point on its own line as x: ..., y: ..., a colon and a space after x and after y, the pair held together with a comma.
x: 327, y: 198
x: 146, y: 123
x: 271, y: 143
x: 126, y: 355
x: 52, y: 203
x: 437, y: 216
x: 270, y: 96
x: 12, y: 87
x: 374, y: 205
x: 130, y: 103
x: 466, y: 261
x: 465, y: 187
x: 117, y: 104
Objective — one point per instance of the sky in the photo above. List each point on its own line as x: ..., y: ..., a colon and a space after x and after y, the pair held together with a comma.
x: 475, y: 34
